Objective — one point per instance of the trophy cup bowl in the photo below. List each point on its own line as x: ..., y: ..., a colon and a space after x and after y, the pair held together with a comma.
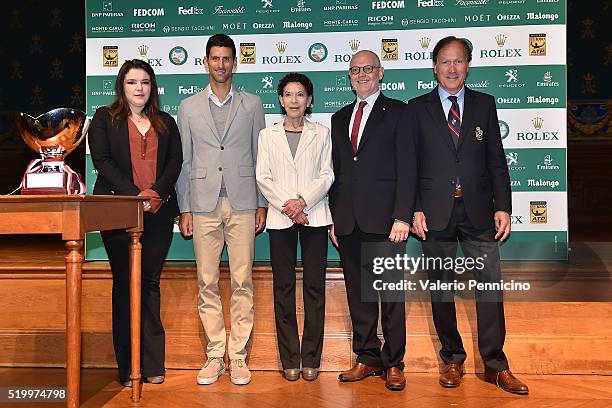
x: 53, y: 135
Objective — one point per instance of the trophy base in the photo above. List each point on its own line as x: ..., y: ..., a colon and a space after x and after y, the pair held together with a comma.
x: 43, y: 191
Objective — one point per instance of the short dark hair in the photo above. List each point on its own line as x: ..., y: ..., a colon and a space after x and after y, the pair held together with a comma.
x: 301, y: 79
x: 220, y: 40
x: 449, y: 40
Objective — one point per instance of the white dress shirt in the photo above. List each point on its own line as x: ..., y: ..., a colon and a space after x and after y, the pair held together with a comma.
x: 371, y: 100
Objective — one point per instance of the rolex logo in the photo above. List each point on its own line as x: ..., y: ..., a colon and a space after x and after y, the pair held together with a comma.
x: 143, y: 49
x: 354, y: 44
x: 500, y: 39
x: 425, y: 42
x: 537, y: 122
x: 281, y: 46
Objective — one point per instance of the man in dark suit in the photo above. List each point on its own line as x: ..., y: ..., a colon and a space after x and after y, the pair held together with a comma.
x: 371, y: 209
x: 462, y: 194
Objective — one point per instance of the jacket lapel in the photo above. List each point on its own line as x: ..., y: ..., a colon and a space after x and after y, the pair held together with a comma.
x: 234, y: 105
x: 434, y: 107
x: 279, y: 140
x: 376, y: 115
x: 345, y: 121
x: 469, y: 114
x: 208, y: 115
x: 124, y: 140
x: 308, y: 135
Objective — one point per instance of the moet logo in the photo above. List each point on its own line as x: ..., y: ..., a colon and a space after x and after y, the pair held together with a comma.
x: 247, y: 53
x: 538, y: 212
x: 537, y: 44
x: 389, y: 48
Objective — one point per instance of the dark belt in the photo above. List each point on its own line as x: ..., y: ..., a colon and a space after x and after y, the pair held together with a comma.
x: 458, y: 193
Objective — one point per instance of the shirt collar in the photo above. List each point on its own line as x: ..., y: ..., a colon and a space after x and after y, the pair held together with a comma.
x: 214, y: 97
x: 444, y: 94
x: 370, y: 99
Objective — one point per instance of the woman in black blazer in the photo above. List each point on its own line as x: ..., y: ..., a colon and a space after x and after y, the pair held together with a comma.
x: 136, y: 150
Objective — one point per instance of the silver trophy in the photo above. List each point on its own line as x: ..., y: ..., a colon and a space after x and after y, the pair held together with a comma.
x: 53, y: 135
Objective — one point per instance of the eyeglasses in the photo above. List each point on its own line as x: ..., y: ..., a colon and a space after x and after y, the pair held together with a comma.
x: 367, y: 69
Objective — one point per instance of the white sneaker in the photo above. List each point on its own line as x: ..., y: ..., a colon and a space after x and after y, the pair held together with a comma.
x: 239, y: 372
x: 212, y: 370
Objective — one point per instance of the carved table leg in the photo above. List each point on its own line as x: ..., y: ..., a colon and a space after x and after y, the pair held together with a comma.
x: 135, y: 261
x: 74, y: 267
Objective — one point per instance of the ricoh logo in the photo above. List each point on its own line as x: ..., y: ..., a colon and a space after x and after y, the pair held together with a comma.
x: 143, y: 27
x: 392, y: 86
x: 394, y: 4
x: 426, y: 85
x: 193, y: 89
x: 141, y: 12
x: 191, y: 11
x: 430, y: 3
x: 380, y: 20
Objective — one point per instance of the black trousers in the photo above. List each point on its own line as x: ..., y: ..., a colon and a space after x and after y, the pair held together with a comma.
x: 475, y: 243
x: 155, y: 242
x: 283, y: 255
x: 355, y: 249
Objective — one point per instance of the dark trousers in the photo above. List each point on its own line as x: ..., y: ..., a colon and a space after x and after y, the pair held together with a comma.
x: 155, y: 243
x: 475, y: 243
x: 283, y: 255
x: 364, y: 312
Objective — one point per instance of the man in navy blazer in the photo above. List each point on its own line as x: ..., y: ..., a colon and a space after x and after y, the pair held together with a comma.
x: 463, y: 194
x: 371, y: 208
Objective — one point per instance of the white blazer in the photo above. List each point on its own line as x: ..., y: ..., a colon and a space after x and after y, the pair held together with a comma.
x: 281, y: 177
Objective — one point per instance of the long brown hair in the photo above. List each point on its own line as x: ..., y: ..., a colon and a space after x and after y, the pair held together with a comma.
x: 120, y: 110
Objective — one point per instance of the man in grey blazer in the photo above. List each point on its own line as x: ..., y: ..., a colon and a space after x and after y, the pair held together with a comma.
x: 220, y: 203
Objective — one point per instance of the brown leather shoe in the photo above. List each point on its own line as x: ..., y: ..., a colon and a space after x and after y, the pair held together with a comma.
x: 395, y: 380
x: 359, y: 372
x: 450, y: 376
x: 507, y: 382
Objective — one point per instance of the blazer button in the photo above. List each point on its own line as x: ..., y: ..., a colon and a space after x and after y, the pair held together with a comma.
x: 451, y: 181
x: 355, y: 158
x: 222, y: 148
x: 220, y: 169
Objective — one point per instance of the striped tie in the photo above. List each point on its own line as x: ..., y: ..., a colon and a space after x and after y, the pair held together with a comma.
x: 454, y: 119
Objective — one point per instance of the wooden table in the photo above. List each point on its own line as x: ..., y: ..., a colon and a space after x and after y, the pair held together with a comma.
x: 73, y: 216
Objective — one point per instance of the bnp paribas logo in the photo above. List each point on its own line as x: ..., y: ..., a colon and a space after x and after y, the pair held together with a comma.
x: 538, y: 212
x: 504, y: 129
x: 107, y: 6
x: 142, y: 50
x: 247, y: 53
x: 537, y: 122
x: 547, y: 81
x: 389, y: 49
x: 501, y: 40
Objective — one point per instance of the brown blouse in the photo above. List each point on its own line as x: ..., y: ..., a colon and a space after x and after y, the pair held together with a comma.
x: 143, y: 152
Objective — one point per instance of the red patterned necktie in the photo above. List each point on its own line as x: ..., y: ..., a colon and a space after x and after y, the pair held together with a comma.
x: 356, y: 124
x: 454, y: 118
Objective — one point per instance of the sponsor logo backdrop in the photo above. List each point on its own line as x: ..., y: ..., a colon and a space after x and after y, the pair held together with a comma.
x: 518, y: 56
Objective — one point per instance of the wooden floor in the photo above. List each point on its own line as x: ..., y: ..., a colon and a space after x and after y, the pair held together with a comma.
x: 269, y: 389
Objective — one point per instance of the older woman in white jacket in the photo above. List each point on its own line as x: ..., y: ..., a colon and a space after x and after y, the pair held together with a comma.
x: 294, y: 173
